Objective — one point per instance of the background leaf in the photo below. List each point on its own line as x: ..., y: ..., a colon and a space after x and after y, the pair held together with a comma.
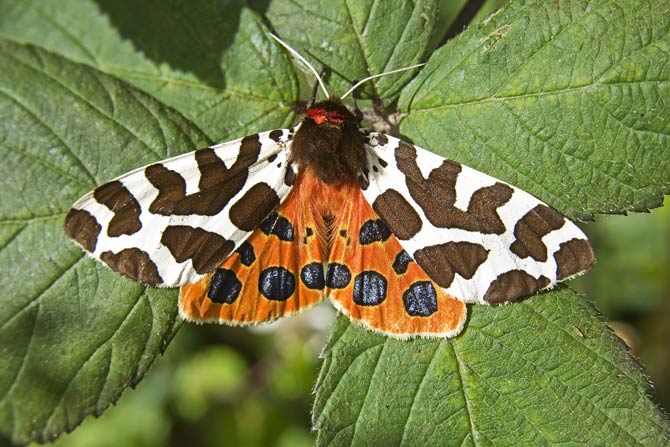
x: 73, y: 334
x: 573, y: 91
x: 211, y: 61
x: 545, y: 371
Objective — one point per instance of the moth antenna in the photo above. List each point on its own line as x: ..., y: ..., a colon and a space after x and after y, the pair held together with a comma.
x: 312, y: 98
x: 357, y: 111
x: 386, y: 73
x: 304, y: 61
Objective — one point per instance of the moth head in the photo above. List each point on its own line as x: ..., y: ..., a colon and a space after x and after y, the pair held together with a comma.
x: 330, y: 112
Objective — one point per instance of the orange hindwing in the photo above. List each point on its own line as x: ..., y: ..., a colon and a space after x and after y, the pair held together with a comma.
x: 277, y: 271
x: 374, y: 281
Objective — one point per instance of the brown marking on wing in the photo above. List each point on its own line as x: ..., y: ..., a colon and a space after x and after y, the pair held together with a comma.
x: 206, y: 250
x: 171, y: 189
x: 81, y: 226
x: 382, y: 139
x: 436, y: 195
x: 442, y: 261
x: 398, y: 214
x: 512, y: 285
x: 123, y: 204
x: 218, y: 184
x: 133, y: 263
x: 253, y: 207
x: 572, y: 257
x: 530, y: 230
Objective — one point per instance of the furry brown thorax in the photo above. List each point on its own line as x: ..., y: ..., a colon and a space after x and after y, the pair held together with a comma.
x: 330, y: 143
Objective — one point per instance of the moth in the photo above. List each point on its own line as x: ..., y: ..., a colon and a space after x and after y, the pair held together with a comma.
x: 270, y: 224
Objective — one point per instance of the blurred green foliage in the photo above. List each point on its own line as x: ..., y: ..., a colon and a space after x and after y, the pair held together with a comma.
x: 220, y: 386
x: 631, y: 286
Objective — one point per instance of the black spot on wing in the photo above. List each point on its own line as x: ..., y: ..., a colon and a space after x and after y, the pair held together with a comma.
x: 369, y: 288
x: 312, y: 276
x: 276, y: 135
x: 279, y: 226
x: 224, y: 287
x: 401, y: 262
x: 289, y: 176
x: 246, y: 252
x: 373, y: 231
x: 338, y: 276
x: 363, y: 180
x: 420, y: 300
x: 276, y: 283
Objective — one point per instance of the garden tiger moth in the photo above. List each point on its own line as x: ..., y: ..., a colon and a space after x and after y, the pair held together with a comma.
x: 270, y: 224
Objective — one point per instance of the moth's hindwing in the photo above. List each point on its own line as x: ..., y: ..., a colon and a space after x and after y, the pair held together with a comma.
x: 478, y: 238
x: 277, y: 271
x: 175, y: 221
x: 374, y: 281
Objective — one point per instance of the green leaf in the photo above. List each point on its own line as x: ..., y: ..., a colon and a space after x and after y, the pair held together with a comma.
x: 73, y: 334
x: 565, y: 100
x: 546, y: 371
x: 211, y: 61
x: 355, y: 39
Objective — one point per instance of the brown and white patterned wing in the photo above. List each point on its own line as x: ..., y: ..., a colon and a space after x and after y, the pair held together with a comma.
x: 174, y: 221
x: 478, y: 238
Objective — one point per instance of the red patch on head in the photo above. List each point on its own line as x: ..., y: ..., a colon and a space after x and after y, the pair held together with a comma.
x: 320, y: 116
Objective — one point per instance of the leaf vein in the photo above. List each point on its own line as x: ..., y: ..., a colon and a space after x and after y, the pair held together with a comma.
x: 90, y: 356
x: 416, y: 393
x: 38, y: 295
x: 19, y: 371
x: 47, y: 165
x: 367, y: 392
x: 92, y: 105
x: 466, y: 401
x: 52, y: 131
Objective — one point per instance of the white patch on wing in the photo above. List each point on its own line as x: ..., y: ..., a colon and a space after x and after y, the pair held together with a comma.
x: 188, y: 170
x: 427, y: 161
x: 467, y: 183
